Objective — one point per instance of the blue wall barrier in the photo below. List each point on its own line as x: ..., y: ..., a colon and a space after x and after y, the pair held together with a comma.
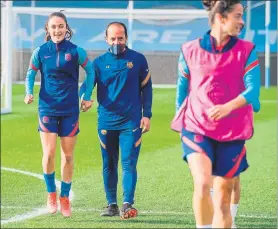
x: 147, y: 35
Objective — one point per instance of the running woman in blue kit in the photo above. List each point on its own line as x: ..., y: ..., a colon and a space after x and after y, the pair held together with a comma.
x: 124, y: 94
x: 58, y: 61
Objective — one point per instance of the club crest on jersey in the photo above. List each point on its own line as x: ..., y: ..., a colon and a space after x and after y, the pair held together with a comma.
x: 45, y: 119
x: 103, y: 132
x: 129, y: 64
x: 67, y: 57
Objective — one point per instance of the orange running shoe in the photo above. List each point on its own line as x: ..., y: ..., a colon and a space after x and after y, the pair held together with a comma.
x: 65, y: 207
x: 52, y: 202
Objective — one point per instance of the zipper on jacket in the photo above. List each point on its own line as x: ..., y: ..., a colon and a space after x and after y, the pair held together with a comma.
x: 58, y: 56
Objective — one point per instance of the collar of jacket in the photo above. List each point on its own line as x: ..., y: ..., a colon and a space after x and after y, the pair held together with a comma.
x: 58, y: 46
x: 208, y: 42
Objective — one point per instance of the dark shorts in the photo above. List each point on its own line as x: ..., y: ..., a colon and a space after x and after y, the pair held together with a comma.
x: 228, y: 158
x: 64, y: 126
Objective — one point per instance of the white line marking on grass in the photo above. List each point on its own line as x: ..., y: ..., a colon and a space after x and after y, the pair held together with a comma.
x: 36, y: 212
x: 153, y: 212
x: 174, y: 213
x: 190, y: 213
x: 27, y: 215
x: 15, y: 207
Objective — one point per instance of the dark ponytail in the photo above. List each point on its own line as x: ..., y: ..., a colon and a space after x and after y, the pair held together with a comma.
x: 223, y: 7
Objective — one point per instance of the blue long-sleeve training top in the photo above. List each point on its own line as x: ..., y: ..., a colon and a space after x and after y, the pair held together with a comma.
x: 59, y: 67
x: 124, y: 89
x: 251, y: 76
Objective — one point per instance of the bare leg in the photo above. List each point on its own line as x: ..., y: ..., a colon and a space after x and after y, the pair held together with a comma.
x: 67, y: 149
x: 201, y: 167
x: 222, y: 198
x: 236, y: 191
x: 235, y: 199
x: 48, y: 141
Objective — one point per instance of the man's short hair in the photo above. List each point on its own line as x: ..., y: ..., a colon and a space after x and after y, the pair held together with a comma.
x: 116, y: 23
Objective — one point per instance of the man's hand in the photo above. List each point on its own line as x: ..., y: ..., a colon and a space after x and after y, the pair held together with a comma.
x: 28, y: 99
x: 86, y: 105
x: 145, y: 124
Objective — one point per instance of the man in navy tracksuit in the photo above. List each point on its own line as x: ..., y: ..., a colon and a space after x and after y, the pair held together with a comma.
x: 124, y: 94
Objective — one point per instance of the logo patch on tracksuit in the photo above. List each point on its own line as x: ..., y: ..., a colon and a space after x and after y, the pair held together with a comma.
x: 103, y: 132
x: 45, y: 119
x: 129, y: 64
x: 67, y: 56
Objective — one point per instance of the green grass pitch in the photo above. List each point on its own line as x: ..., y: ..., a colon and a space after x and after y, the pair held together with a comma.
x: 164, y: 188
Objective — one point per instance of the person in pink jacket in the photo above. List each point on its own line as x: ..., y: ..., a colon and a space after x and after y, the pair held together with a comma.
x: 218, y: 89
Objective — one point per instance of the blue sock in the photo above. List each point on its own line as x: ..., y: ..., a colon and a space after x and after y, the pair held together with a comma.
x: 50, y: 182
x: 65, y: 189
